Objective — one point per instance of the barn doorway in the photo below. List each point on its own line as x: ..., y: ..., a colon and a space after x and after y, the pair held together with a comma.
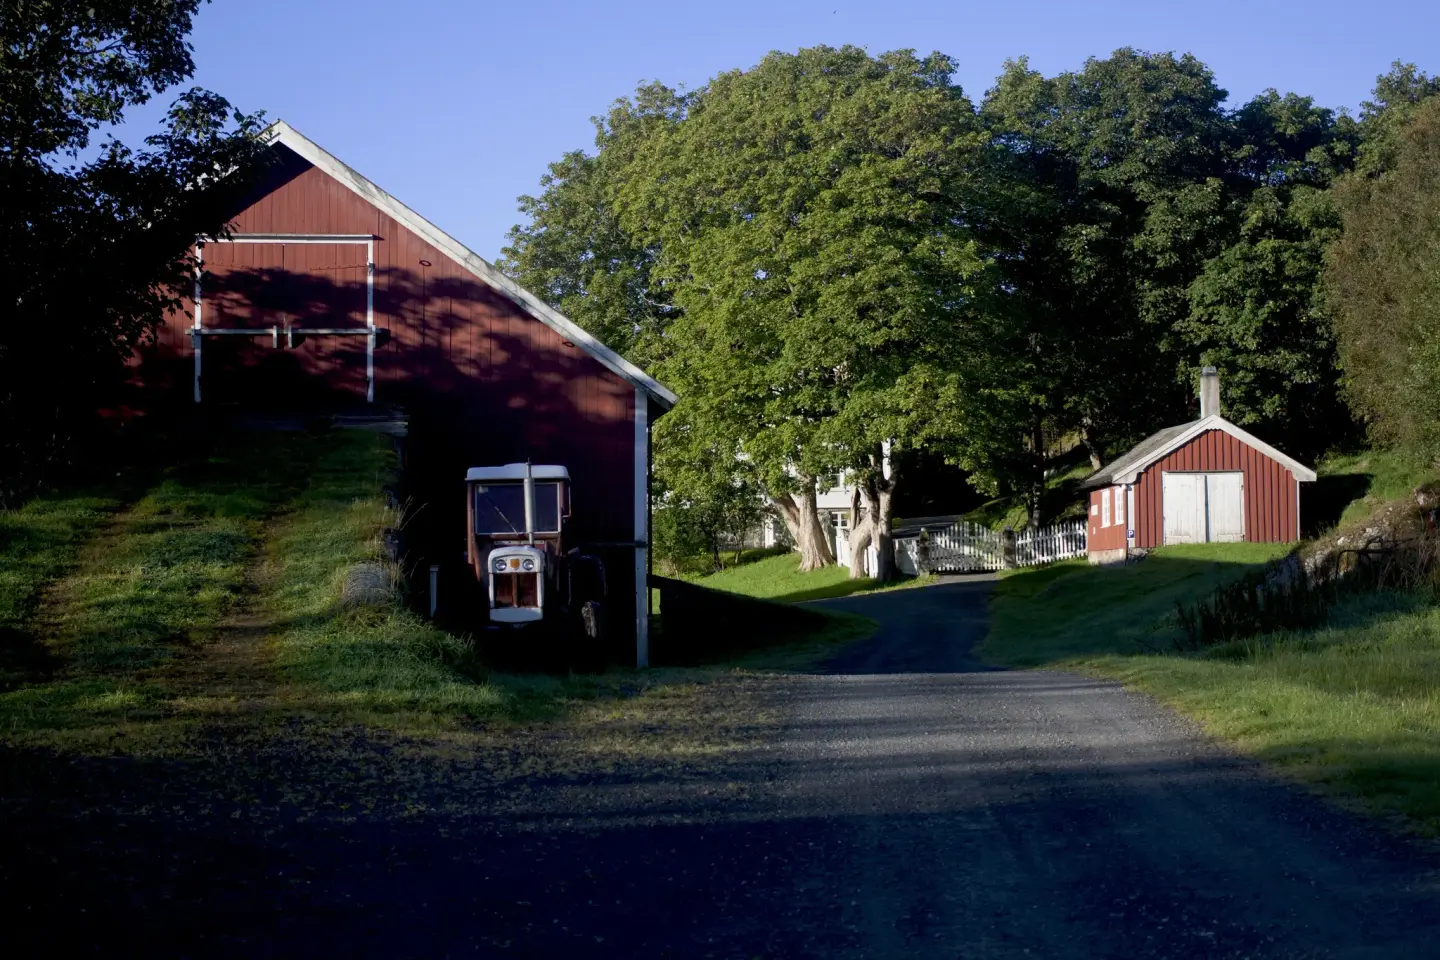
x: 1204, y: 507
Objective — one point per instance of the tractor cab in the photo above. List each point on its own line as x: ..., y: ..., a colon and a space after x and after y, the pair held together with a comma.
x: 519, y: 550
x: 515, y: 544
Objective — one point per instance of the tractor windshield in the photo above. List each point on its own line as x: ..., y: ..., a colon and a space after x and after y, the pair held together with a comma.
x: 500, y: 508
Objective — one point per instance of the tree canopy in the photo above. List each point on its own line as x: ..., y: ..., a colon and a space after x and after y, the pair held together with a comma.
x: 833, y: 253
x: 1383, y: 277
x: 95, y: 251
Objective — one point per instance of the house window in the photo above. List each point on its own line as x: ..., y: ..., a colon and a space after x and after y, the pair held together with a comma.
x: 1104, y: 510
x: 1119, y: 506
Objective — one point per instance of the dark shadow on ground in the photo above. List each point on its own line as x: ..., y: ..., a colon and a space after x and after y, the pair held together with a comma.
x: 906, y: 816
x: 845, y: 588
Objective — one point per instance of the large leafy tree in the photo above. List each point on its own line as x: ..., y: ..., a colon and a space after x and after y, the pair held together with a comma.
x: 1107, y: 187
x: 1256, y: 310
x: 1383, y: 280
x: 807, y: 220
x: 572, y: 250
x: 96, y: 251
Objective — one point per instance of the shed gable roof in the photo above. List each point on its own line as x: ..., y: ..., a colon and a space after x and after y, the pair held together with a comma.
x: 1126, y: 468
x: 282, y: 133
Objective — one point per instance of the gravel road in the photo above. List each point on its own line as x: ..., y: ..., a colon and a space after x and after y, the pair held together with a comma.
x: 913, y: 804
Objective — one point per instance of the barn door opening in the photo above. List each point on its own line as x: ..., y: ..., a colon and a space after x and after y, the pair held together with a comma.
x: 1203, y: 507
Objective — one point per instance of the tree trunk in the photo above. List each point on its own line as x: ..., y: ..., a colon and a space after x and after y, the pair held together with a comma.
x: 1092, y: 449
x: 876, y: 491
x: 802, y: 519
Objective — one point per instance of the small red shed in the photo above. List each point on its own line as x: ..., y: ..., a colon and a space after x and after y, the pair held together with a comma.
x: 331, y: 293
x: 1207, y: 481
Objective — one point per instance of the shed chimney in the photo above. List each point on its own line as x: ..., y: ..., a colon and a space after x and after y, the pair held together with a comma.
x: 1209, y: 392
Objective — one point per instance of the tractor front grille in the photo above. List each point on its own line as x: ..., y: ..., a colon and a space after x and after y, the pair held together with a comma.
x: 517, y: 589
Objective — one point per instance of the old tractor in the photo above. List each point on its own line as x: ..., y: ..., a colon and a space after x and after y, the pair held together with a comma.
x: 519, y: 549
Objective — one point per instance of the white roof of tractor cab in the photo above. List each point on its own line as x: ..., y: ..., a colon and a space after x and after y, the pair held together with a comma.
x: 516, y: 471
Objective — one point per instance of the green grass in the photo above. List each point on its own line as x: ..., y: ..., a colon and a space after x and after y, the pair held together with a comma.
x: 153, y: 585
x: 779, y: 578
x: 1062, y: 500
x: 1353, y: 708
x: 382, y: 657
x: 38, y: 542
x: 210, y: 610
x: 1073, y: 609
x: 703, y: 565
x: 1351, y: 486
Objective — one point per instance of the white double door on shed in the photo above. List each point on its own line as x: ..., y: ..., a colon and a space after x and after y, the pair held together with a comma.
x: 1204, y: 507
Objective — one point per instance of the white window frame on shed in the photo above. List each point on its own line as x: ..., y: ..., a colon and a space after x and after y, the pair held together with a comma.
x: 198, y: 331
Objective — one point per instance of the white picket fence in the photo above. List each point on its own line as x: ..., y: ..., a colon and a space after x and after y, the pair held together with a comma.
x: 971, y: 548
x: 1059, y: 541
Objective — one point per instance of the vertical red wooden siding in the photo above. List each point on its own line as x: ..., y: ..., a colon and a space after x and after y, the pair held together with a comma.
x: 1270, y: 489
x: 1102, y: 537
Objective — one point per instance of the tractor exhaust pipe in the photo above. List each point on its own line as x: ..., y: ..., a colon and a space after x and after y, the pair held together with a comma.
x: 529, y: 504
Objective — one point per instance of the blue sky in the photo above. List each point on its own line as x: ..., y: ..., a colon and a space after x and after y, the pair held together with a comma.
x: 456, y: 107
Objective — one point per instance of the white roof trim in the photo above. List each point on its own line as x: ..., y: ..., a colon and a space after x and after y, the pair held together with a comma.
x: 516, y: 471
x: 1127, y: 473
x: 281, y: 132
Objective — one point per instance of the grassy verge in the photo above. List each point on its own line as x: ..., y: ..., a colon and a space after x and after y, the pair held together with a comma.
x: 703, y: 565
x: 1072, y: 609
x: 779, y: 578
x: 153, y: 585
x: 1352, y: 707
x: 39, y: 542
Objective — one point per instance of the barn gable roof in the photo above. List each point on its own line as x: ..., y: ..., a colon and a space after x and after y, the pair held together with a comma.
x: 1126, y: 468
x: 282, y: 133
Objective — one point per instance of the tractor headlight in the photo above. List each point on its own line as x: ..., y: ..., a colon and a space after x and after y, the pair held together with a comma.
x: 527, y: 565
x: 499, y: 564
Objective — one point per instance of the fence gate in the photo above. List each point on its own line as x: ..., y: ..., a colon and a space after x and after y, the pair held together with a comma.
x: 971, y: 548
x: 965, y: 548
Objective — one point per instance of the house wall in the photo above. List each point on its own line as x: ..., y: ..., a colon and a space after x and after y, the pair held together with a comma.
x: 1271, y: 501
x: 482, y: 381
x: 1100, y: 538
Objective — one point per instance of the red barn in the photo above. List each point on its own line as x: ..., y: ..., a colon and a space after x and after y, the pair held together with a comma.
x: 332, y: 293
x: 1202, y: 482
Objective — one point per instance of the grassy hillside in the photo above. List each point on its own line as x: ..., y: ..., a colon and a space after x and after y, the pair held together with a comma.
x: 207, y: 601
x: 1352, y: 486
x: 1069, y: 609
x: 779, y: 578
x: 1062, y: 500
x: 1351, y: 707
